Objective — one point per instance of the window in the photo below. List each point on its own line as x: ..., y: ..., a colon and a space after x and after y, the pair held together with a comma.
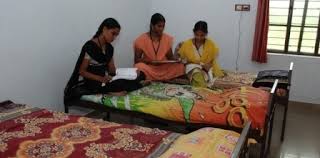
x: 294, y: 27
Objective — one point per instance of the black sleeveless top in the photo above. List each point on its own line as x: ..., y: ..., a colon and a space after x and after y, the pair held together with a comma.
x: 98, y: 67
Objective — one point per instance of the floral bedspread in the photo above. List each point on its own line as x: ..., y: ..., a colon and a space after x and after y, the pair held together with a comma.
x: 32, y: 132
x: 40, y: 133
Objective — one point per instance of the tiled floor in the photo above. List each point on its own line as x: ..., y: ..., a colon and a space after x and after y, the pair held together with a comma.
x: 302, y: 137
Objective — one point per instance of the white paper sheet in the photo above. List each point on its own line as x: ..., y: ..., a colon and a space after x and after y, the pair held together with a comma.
x: 125, y: 73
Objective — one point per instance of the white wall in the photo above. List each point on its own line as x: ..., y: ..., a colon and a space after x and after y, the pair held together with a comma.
x: 40, y: 41
x: 226, y: 27
x: 181, y: 15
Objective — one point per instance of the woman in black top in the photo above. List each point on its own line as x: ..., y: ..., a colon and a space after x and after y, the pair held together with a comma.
x: 96, y: 65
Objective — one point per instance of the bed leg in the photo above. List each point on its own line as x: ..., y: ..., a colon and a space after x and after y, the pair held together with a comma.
x: 107, y: 116
x: 263, y: 147
x: 131, y: 119
x: 266, y: 141
x: 269, y: 137
x: 284, y: 121
x: 66, y: 108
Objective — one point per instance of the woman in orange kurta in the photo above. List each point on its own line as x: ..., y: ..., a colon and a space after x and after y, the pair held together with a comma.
x: 156, y: 46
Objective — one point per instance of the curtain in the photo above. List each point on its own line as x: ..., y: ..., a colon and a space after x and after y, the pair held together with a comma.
x: 259, y: 52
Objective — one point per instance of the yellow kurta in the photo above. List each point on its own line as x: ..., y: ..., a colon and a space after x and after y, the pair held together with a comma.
x: 209, y: 54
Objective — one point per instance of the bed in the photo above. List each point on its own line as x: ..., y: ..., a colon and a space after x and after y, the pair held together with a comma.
x: 184, y: 103
x: 264, y: 78
x: 32, y: 132
x: 194, y: 107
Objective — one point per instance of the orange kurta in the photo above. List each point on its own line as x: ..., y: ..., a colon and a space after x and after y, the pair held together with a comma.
x: 162, y: 71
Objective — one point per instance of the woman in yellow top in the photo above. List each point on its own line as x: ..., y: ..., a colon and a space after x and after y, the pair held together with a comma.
x: 200, y: 54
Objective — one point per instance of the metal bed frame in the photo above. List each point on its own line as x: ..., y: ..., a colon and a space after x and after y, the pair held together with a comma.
x: 285, y: 101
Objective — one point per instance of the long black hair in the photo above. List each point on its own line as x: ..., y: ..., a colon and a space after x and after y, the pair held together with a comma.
x: 155, y: 19
x: 201, y: 26
x: 110, y: 23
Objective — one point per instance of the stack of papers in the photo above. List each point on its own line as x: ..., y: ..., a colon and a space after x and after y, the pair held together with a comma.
x: 125, y: 73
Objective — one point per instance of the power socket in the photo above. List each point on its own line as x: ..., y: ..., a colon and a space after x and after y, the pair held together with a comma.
x: 238, y: 7
x: 242, y: 7
x: 246, y: 7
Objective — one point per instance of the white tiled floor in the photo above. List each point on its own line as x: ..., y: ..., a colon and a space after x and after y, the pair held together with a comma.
x: 302, y: 137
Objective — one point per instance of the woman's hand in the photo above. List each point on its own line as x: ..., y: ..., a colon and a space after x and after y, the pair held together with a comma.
x: 207, y: 67
x: 105, y: 79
